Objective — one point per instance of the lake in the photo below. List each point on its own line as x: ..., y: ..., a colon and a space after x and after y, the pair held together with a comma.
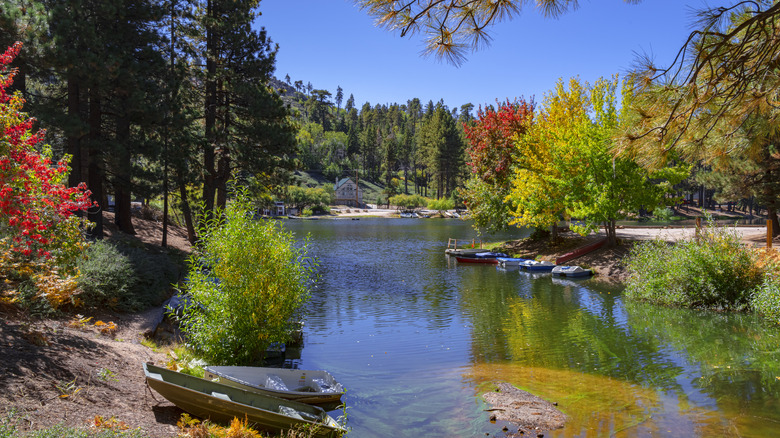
x: 416, y: 338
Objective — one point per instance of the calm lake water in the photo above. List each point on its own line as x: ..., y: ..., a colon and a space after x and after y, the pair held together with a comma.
x: 416, y: 338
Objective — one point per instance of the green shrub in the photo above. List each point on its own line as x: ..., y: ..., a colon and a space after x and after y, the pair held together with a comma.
x: 106, y: 276
x: 124, y: 278
x: 715, y: 271
x: 441, y: 204
x: 766, y: 296
x: 248, y: 281
x: 663, y: 214
x: 408, y: 202
x: 29, y: 299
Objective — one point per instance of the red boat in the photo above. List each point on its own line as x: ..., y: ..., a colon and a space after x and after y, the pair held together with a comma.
x: 483, y: 257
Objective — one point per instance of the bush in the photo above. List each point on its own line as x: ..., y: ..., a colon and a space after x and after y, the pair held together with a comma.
x: 766, y: 296
x: 408, y: 202
x: 248, y: 281
x: 715, y: 271
x: 107, y: 276
x: 663, y: 214
x: 441, y: 204
x: 124, y: 278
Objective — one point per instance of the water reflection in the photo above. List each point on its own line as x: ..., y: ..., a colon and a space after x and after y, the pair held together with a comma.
x: 415, y: 337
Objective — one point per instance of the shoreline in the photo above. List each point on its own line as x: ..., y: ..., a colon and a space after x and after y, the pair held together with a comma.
x: 100, y: 374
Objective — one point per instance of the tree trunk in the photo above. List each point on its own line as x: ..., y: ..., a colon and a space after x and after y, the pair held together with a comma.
x: 406, y: 182
x: 701, y: 196
x: 74, y: 135
x: 95, y: 179
x: 223, y: 164
x: 122, y: 203
x: 223, y: 175
x: 610, y: 229
x: 185, y: 209
x: 772, y: 215
x: 209, y: 171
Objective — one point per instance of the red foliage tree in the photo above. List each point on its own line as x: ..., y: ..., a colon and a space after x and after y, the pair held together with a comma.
x: 491, y: 139
x: 36, y: 209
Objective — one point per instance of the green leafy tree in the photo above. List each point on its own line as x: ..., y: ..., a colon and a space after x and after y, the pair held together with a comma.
x: 302, y: 197
x: 565, y: 165
x: 609, y: 185
x: 248, y: 281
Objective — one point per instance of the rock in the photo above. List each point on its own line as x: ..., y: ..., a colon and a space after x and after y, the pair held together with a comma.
x: 523, y: 409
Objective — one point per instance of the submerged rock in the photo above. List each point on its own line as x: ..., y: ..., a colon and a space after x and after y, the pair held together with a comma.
x: 523, y: 409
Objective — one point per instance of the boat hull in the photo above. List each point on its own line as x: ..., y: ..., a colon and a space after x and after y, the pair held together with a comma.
x: 536, y: 266
x: 571, y: 271
x: 222, y: 403
x: 511, y: 261
x: 476, y: 260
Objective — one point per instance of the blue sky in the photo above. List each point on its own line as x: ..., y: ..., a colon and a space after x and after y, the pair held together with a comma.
x: 332, y: 42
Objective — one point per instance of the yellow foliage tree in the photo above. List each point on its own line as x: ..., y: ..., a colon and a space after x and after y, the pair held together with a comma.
x: 547, y: 157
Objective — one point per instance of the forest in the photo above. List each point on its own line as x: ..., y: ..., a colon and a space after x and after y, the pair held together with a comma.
x: 168, y: 102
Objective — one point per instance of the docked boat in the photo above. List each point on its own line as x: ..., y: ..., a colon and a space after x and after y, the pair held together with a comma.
x: 464, y: 252
x: 221, y: 403
x: 482, y: 257
x: 314, y: 387
x: 571, y: 271
x: 511, y: 261
x: 537, y: 266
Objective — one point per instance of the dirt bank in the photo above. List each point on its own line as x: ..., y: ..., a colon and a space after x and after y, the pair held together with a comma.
x: 67, y: 371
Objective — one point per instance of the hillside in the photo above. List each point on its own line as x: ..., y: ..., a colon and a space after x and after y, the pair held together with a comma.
x: 313, y: 179
x: 290, y: 96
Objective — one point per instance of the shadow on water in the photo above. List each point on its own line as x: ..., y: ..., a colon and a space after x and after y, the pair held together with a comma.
x: 415, y: 337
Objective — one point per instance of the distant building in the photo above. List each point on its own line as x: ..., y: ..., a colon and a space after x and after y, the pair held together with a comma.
x: 278, y: 209
x: 346, y: 192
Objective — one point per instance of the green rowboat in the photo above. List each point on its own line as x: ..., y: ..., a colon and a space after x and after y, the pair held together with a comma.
x: 221, y: 403
x: 313, y: 387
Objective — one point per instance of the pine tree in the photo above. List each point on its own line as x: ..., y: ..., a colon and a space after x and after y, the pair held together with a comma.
x: 246, y: 126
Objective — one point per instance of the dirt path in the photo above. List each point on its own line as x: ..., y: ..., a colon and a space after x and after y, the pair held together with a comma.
x: 62, y: 371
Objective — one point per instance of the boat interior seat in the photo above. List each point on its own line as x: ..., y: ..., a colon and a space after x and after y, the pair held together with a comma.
x: 275, y: 382
x: 221, y: 395
x: 308, y: 388
x: 290, y: 412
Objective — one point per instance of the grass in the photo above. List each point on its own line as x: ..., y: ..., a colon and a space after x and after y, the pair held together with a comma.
x: 103, y: 429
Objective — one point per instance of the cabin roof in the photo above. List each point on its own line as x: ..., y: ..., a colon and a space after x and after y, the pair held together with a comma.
x: 342, y: 182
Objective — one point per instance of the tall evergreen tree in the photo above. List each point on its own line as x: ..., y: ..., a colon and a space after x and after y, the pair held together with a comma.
x: 246, y: 124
